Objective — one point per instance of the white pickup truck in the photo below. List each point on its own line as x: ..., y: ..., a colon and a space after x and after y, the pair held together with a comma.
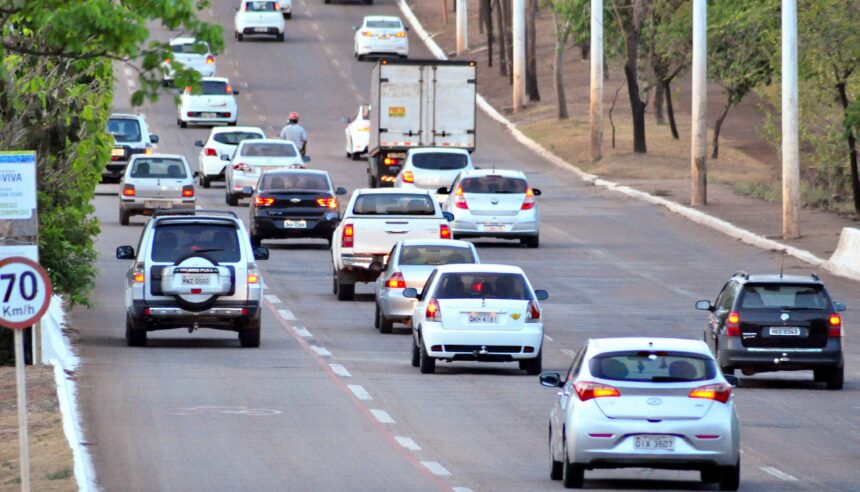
x: 375, y: 219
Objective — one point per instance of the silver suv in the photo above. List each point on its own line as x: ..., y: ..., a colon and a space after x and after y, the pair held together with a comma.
x: 193, y: 269
x: 131, y: 136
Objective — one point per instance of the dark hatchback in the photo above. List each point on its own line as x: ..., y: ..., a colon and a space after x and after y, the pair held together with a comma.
x: 294, y: 203
x: 761, y: 323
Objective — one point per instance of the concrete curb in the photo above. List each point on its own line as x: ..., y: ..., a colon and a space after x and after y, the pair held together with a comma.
x: 846, y: 257
x: 690, y: 213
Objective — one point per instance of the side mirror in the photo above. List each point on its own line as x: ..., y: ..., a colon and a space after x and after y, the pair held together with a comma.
x: 551, y: 380
x: 537, y: 192
x: 247, y: 190
x: 196, y: 174
x: 839, y: 306
x: 225, y: 157
x: 443, y: 191
x: 410, y: 293
x: 355, y: 28
x: 153, y: 138
x: 261, y: 253
x: 340, y: 191
x: 405, y: 28
x: 125, y: 253
x: 306, y: 158
x: 541, y: 295
x: 732, y: 380
x: 198, y: 143
x: 704, y: 306
x: 448, y: 216
x: 235, y: 92
x: 346, y: 120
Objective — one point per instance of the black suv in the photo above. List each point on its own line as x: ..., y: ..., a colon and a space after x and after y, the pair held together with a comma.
x: 763, y: 323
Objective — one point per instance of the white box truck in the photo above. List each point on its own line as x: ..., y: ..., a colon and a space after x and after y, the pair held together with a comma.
x: 418, y: 103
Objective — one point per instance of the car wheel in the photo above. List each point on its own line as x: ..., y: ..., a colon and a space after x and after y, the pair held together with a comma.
x: 232, y: 199
x: 165, y: 83
x: 256, y: 240
x: 355, y: 156
x: 240, y: 37
x: 345, y: 292
x: 134, y: 338
x: 835, y: 378
x: 371, y: 181
x: 205, y: 182
x: 710, y: 475
x: 416, y: 353
x: 360, y: 57
x: 555, y: 467
x: 730, y: 477
x: 530, y: 241
x: 182, y: 123
x: 573, y: 475
x: 385, y: 325
x: 123, y: 217
x: 534, y: 366
x: 279, y: 37
x: 249, y: 337
x: 348, y: 155
x: 327, y: 2
x: 376, y: 316
x: 232, y: 123
x: 288, y: 16
x: 426, y: 363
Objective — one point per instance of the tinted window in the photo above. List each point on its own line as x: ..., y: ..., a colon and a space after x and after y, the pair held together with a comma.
x: 294, y: 181
x: 191, y: 48
x: 483, y: 286
x: 391, y: 204
x: 158, y: 168
x: 173, y: 241
x: 658, y: 367
x: 435, y: 255
x: 255, y: 149
x: 440, y: 161
x: 384, y: 24
x: 259, y: 6
x: 494, y: 184
x: 213, y: 88
x: 233, y: 138
x: 124, y: 130
x: 765, y: 296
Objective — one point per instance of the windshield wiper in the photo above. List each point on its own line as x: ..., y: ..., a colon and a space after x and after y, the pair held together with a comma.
x: 206, y: 250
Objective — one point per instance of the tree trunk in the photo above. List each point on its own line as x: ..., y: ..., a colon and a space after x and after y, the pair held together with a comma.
x: 482, y: 14
x: 488, y: 19
x: 500, y: 22
x: 659, y: 98
x: 631, y: 71
x: 670, y: 110
x: 852, y: 149
x: 531, y: 52
x: 719, y: 124
x: 557, y: 66
x: 509, y: 39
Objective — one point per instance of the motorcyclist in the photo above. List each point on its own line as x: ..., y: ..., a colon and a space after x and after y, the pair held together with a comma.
x: 295, y: 133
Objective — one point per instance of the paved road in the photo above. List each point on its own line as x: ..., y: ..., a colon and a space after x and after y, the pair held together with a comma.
x: 327, y: 403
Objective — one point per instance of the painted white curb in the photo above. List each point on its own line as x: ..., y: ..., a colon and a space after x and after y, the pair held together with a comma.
x: 846, y: 257
x: 731, y: 230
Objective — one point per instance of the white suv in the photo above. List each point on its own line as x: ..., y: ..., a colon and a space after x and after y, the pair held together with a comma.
x: 193, y: 269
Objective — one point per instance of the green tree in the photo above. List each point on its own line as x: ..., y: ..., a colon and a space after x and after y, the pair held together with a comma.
x: 669, y: 43
x: 630, y: 16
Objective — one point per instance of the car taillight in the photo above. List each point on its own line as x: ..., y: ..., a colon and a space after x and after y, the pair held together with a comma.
x: 210, y: 60
x: 444, y: 231
x: 733, y: 324
x: 229, y: 90
x: 167, y: 60
x: 277, y: 6
x: 187, y: 88
x: 401, y: 34
x: 348, y: 237
x: 128, y: 190
x: 263, y: 201
x: 137, y: 274
x: 188, y: 191
x: 327, y: 202
x: 432, y: 313
x: 253, y: 274
x: 408, y: 177
x: 586, y: 390
x: 210, y: 152
x: 148, y: 151
x: 835, y: 326
x: 391, y: 161
x: 459, y: 199
x: 366, y: 34
x: 533, y: 314
x: 240, y: 166
x: 396, y: 281
x: 529, y: 202
x: 718, y: 392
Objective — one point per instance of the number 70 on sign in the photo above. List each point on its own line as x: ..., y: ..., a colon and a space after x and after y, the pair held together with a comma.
x: 25, y: 292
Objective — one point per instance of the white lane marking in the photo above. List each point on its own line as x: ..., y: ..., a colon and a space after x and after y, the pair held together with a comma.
x: 335, y: 62
x: 302, y: 332
x: 263, y: 117
x: 128, y: 72
x: 382, y: 416
x: 328, y: 51
x: 547, y: 338
x: 359, y: 392
x: 321, y: 38
x: 777, y: 473
x: 462, y: 489
x: 273, y: 299
x: 436, y: 469
x: 340, y: 370
x: 407, y: 443
x: 321, y: 351
x: 315, y: 26
x: 287, y: 314
x: 569, y: 353
x: 256, y: 109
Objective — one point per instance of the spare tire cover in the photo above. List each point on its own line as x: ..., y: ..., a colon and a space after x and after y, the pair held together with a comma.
x: 197, y: 302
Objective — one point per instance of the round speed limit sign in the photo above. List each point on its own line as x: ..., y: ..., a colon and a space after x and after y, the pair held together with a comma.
x: 25, y: 292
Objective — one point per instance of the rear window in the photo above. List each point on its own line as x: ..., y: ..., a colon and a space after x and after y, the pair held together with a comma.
x: 767, y: 296
x: 173, y: 241
x: 190, y: 48
x: 233, y: 138
x: 655, y: 367
x: 384, y: 24
x: 158, y: 168
x: 213, y: 88
x: 392, y: 204
x: 124, y: 130
x: 494, y: 184
x: 440, y: 161
x: 483, y: 286
x: 269, y: 150
x: 259, y: 6
x: 294, y: 181
x: 435, y: 255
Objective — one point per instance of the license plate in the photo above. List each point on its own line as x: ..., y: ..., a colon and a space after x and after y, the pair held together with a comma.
x: 654, y: 443
x: 482, y: 318
x: 157, y: 204
x: 494, y: 228
x: 117, y: 152
x: 208, y: 115
x: 784, y: 332
x: 295, y: 224
x: 261, y: 29
x: 196, y: 280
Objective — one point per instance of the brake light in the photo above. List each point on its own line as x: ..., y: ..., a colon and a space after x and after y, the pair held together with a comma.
x: 148, y: 151
x: 718, y: 392
x: 187, y: 88
x: 128, y: 190
x: 210, y: 60
x: 253, y: 274
x: 444, y: 231
x: 586, y: 390
x: 263, y: 201
x: 137, y: 274
x: 167, y: 60
x: 229, y: 91
x: 327, y: 202
x: 529, y: 202
x: 210, y: 152
x: 459, y: 199
x: 835, y: 328
x: 408, y: 177
x: 366, y: 34
x: 432, y: 313
x: 401, y: 34
x: 396, y: 281
x: 733, y: 324
x: 188, y: 191
x: 277, y: 6
x: 348, y: 238
x: 391, y: 161
x: 240, y: 166
x: 533, y: 314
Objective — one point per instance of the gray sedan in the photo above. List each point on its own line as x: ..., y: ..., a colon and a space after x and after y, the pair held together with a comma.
x: 154, y: 182
x: 644, y: 402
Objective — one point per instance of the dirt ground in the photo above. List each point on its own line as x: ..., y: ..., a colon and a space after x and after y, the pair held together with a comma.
x: 51, y: 465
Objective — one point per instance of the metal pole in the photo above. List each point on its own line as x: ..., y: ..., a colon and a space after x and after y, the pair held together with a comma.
x: 699, y: 133
x: 519, y: 30
x: 462, y: 27
x: 596, y: 103
x: 790, y: 141
x: 23, y: 440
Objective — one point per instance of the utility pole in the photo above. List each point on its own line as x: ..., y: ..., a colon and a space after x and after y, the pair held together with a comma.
x: 596, y: 103
x: 790, y: 141
x: 699, y: 133
x: 519, y: 30
x: 462, y: 26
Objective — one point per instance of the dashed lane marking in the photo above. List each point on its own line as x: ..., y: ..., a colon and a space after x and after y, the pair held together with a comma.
x: 321, y: 38
x: 777, y: 473
x: 381, y: 416
x: 315, y: 26
x: 407, y: 443
x: 569, y: 353
x: 547, y: 338
x: 302, y: 332
x: 462, y: 489
x: 359, y: 392
x: 335, y: 62
x: 435, y: 468
x: 328, y: 51
x: 321, y: 351
x: 287, y: 314
x: 340, y: 370
x: 272, y: 298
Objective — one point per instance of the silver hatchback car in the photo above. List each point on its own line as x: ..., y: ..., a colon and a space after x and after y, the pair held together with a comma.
x: 644, y: 402
x: 155, y: 182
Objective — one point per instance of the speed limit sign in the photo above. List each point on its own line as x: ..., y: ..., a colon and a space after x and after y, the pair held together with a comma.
x: 25, y: 292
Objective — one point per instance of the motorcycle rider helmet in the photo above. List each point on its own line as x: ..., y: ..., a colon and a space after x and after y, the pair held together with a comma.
x: 294, y: 117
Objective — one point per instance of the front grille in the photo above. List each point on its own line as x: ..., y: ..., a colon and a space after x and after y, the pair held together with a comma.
x: 498, y: 349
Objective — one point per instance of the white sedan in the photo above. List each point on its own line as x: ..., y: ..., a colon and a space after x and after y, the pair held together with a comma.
x: 214, y: 102
x: 381, y: 35
x: 482, y: 312
x: 191, y: 54
x: 222, y: 141
x: 432, y: 168
x: 251, y: 159
x: 259, y: 18
x: 358, y: 133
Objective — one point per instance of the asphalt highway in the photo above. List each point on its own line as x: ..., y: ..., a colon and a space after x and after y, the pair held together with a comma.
x: 328, y: 403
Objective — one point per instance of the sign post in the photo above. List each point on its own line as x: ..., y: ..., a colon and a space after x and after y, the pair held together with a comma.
x: 25, y: 293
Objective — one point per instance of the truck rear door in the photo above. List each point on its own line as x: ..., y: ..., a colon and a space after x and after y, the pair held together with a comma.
x: 399, y: 89
x: 450, y: 105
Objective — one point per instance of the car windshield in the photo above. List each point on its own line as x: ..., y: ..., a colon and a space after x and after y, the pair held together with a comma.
x: 494, y: 184
x: 190, y: 48
x: 383, y: 24
x: 783, y: 296
x: 213, y: 88
x: 441, y: 161
x: 173, y: 241
x: 269, y: 149
x: 294, y: 181
x: 158, y: 168
x: 259, y: 6
x: 483, y: 286
x: 393, y: 204
x: 233, y: 138
x: 653, y: 366
x: 435, y: 255
x: 124, y: 130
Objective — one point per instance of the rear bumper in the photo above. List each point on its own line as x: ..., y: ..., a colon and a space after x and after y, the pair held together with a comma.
x: 475, y: 227
x: 223, y: 315
x: 734, y: 354
x: 138, y: 205
x: 483, y: 345
x: 273, y: 227
x: 220, y: 117
x: 381, y: 48
x: 263, y: 30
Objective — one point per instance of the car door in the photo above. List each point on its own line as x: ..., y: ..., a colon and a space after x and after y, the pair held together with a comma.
x: 723, y: 308
x: 560, y: 409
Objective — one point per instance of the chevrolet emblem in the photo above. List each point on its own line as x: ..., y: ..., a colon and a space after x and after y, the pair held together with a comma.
x: 516, y: 316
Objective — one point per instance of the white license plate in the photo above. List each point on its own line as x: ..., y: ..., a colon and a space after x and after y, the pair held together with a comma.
x: 295, y: 224
x: 157, y: 204
x: 196, y: 280
x: 654, y: 443
x: 482, y: 318
x: 208, y: 115
x: 784, y: 332
x: 494, y: 228
x: 117, y: 152
x: 261, y: 29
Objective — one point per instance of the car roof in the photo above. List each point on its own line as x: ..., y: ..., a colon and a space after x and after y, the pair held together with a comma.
x: 185, y: 40
x: 159, y: 156
x: 477, y: 173
x: 437, y: 150
x: 126, y: 116
x: 437, y: 242
x: 297, y: 171
x: 619, y: 344
x: 778, y: 279
x: 392, y: 191
x: 382, y: 17
x: 479, y: 268
x: 195, y: 218
x: 232, y: 129
x: 215, y: 79
x: 266, y: 141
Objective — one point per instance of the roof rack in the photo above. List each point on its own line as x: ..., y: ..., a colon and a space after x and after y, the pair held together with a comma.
x: 164, y: 212
x: 741, y: 273
x: 814, y: 276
